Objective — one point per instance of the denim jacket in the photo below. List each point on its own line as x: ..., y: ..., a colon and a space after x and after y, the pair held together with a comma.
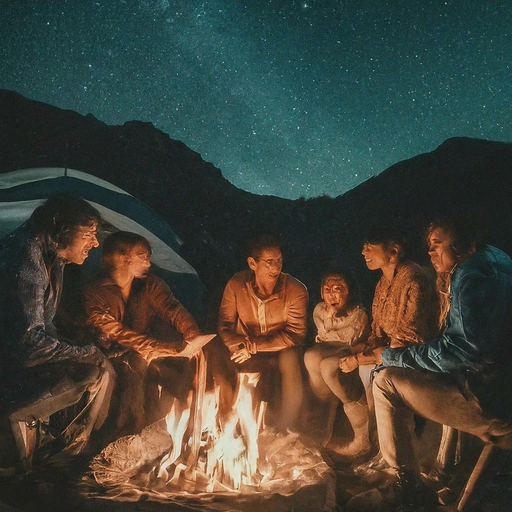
x: 477, y: 340
x: 31, y: 275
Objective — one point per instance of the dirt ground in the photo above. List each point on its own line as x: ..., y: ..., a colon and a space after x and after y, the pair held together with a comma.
x: 361, y: 488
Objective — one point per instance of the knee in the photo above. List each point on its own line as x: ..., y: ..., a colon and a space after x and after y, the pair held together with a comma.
x: 329, y: 368
x: 383, y: 381
x: 312, y: 360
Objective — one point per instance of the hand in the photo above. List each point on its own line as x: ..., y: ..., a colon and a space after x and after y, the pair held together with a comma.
x: 193, y: 346
x: 166, y: 352
x: 241, y: 355
x: 189, y: 351
x: 348, y: 364
x: 91, y: 354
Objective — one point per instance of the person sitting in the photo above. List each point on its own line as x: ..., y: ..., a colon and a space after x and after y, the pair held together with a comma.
x: 126, y: 305
x: 262, y: 321
x: 40, y: 370
x: 404, y: 308
x: 342, y: 325
x: 460, y: 378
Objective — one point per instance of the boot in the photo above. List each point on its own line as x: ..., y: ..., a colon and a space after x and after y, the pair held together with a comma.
x: 360, y: 447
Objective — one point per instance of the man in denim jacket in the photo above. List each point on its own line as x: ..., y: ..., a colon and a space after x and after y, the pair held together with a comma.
x: 41, y: 372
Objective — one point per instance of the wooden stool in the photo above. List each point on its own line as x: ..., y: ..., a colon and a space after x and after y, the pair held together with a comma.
x: 502, y: 442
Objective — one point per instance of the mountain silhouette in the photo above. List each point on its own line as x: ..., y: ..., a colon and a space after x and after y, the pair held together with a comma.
x: 214, y: 218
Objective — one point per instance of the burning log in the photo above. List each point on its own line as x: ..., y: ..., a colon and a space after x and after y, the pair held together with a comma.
x: 210, y: 467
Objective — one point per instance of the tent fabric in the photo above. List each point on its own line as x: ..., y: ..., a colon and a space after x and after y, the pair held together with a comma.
x: 22, y: 191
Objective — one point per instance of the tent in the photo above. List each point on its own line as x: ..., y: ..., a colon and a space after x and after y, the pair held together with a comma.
x: 22, y: 191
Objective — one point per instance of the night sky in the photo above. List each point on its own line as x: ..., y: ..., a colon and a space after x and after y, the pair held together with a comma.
x: 287, y: 98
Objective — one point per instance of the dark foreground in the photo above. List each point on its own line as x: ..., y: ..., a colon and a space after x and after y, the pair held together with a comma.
x: 60, y: 488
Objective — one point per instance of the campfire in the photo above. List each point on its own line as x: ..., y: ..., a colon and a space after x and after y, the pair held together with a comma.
x: 190, y: 459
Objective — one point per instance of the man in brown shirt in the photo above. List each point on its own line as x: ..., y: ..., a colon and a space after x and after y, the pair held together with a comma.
x: 262, y: 321
x: 140, y: 326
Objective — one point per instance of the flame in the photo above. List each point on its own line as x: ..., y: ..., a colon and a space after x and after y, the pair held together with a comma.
x: 229, y: 453
x: 201, y: 456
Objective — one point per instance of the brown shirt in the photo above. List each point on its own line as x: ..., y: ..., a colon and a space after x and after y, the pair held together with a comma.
x: 273, y: 324
x: 129, y: 323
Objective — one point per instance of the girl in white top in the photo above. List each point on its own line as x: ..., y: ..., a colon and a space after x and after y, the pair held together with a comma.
x: 342, y: 329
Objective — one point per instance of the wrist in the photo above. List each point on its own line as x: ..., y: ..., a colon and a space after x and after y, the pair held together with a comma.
x: 251, y: 346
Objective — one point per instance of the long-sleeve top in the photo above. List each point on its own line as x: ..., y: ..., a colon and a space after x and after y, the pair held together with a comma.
x: 405, y: 311
x: 272, y: 324
x: 347, y: 331
x: 31, y: 275
x: 129, y: 323
x: 477, y: 339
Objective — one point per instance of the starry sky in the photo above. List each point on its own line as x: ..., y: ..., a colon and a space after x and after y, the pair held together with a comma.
x: 288, y: 98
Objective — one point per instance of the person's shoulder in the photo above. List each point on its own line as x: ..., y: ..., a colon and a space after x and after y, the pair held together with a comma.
x: 320, y: 308
x: 242, y: 277
x: 29, y: 252
x: 358, y: 312
x: 153, y: 280
x: 292, y: 282
x: 100, y: 281
x: 488, y: 260
x: 412, y: 271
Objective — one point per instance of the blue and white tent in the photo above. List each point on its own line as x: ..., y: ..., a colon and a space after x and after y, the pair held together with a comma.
x: 22, y: 191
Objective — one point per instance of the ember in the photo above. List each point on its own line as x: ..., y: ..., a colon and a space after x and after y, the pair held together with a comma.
x: 189, y: 458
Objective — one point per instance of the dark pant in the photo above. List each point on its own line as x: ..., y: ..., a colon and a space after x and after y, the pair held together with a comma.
x: 284, y: 363
x: 41, y: 391
x: 168, y: 379
x: 128, y: 413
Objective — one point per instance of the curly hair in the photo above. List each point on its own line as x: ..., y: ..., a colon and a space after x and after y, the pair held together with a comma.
x: 467, y: 233
x: 354, y: 293
x: 60, y: 216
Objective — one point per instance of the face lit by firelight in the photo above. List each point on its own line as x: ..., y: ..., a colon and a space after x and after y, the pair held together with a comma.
x: 334, y: 293
x: 441, y: 251
x: 83, y: 241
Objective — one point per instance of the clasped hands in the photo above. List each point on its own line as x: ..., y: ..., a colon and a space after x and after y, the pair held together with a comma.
x: 350, y: 363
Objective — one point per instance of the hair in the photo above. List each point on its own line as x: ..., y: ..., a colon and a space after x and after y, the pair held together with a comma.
x: 467, y: 233
x: 387, y: 235
x: 354, y: 293
x: 60, y: 216
x: 121, y: 243
x: 260, y: 243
